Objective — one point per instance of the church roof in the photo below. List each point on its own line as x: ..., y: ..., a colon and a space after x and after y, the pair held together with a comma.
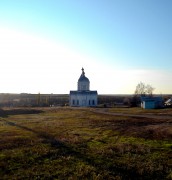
x: 83, y: 77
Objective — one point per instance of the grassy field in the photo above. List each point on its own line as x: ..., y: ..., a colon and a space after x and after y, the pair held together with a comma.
x: 164, y: 112
x: 71, y: 143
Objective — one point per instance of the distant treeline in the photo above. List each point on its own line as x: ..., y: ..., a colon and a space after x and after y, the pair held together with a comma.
x: 47, y: 100
x: 33, y: 100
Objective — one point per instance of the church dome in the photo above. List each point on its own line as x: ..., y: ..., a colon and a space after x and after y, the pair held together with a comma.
x: 83, y: 78
x: 83, y: 82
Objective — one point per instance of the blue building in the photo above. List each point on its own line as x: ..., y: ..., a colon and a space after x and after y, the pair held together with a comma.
x: 152, y: 102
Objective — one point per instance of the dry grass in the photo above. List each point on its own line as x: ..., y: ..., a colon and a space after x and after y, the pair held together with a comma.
x: 161, y: 112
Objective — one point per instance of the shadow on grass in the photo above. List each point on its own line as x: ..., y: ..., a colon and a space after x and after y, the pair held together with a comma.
x: 6, y: 113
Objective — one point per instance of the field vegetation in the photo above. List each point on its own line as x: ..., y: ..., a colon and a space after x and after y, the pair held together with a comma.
x: 163, y: 112
x: 82, y: 143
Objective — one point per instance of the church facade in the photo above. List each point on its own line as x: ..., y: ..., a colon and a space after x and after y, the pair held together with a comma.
x: 83, y: 97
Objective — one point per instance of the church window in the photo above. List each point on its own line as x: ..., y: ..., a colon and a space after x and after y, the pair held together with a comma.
x: 93, y: 102
x: 89, y: 102
x: 77, y: 102
x: 73, y: 102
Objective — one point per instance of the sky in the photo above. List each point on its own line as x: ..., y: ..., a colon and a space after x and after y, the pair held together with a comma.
x: 120, y: 43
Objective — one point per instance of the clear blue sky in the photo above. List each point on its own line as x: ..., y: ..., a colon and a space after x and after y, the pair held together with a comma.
x: 45, y: 43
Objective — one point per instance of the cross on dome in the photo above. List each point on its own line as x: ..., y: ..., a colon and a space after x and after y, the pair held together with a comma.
x: 83, y: 73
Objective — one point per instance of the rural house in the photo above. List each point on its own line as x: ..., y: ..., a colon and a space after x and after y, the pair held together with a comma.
x: 151, y: 102
x: 83, y: 97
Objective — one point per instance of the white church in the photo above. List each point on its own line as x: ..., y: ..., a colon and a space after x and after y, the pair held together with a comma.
x: 83, y: 97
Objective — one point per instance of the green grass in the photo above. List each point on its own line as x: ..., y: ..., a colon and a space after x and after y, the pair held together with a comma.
x: 65, y: 143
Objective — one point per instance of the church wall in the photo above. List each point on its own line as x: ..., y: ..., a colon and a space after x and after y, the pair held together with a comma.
x: 83, y: 100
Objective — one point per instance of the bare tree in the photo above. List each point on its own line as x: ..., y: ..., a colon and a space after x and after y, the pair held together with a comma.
x: 143, y: 90
x: 140, y: 89
x: 149, y: 89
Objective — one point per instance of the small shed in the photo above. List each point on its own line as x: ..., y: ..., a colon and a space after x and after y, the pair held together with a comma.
x: 152, y: 102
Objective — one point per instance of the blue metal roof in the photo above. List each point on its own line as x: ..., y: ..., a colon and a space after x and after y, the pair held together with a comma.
x: 156, y: 98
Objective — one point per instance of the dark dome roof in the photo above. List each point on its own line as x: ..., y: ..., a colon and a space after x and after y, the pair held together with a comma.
x: 83, y: 77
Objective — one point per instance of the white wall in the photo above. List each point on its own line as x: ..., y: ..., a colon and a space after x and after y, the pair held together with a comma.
x: 83, y: 100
